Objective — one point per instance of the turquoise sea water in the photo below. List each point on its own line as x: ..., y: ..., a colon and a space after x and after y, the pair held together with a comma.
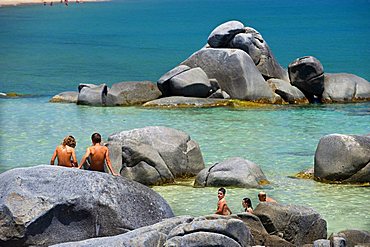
x: 45, y: 50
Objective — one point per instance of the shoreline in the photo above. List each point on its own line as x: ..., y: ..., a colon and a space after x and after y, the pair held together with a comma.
x: 10, y: 3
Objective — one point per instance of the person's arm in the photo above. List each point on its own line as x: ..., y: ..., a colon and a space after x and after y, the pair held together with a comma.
x: 220, y: 207
x: 74, y: 159
x: 83, y: 160
x: 53, y: 157
x: 107, y: 158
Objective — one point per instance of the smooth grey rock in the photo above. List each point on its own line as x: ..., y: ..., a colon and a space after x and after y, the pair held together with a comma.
x: 232, y: 172
x: 191, y: 83
x: 180, y: 101
x: 307, y: 74
x: 221, y: 35
x: 342, y: 87
x: 217, y: 232
x: 288, y: 93
x: 132, y: 93
x: 157, y: 155
x: 45, y: 205
x: 90, y: 94
x: 163, y: 82
x: 298, y: 224
x: 343, y: 158
x: 219, y: 94
x: 235, y: 72
x: 321, y: 243
x: 253, y: 43
x: 353, y: 237
x: 65, y: 97
x: 339, y: 242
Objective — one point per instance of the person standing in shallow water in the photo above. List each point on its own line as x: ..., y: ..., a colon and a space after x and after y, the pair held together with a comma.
x: 222, y: 207
x: 97, y: 155
x: 247, y: 205
x: 264, y: 198
x: 65, y: 152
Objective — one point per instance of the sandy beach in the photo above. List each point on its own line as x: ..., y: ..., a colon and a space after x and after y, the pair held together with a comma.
x: 23, y: 2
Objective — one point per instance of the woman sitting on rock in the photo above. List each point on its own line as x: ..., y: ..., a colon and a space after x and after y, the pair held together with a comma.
x: 65, y: 153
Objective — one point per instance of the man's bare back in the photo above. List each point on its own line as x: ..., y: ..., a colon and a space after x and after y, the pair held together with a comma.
x: 97, y: 156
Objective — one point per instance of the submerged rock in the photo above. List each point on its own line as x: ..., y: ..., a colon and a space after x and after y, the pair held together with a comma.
x: 343, y: 158
x: 232, y: 172
x: 180, y: 101
x: 156, y: 154
x: 45, y: 205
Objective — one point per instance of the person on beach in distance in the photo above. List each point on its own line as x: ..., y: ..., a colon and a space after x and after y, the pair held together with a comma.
x: 97, y: 155
x: 65, y: 152
x: 222, y: 207
x: 247, y: 205
x: 264, y: 198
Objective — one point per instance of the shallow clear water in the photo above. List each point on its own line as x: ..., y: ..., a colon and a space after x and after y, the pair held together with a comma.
x: 45, y: 50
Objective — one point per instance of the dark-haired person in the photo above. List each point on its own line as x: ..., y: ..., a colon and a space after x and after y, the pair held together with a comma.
x: 264, y: 198
x: 97, y: 155
x: 222, y: 207
x: 65, y: 153
x: 247, y: 205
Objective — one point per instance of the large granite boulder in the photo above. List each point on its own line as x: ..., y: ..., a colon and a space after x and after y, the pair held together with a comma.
x: 184, y: 102
x: 232, y: 172
x: 307, y: 74
x: 344, y: 87
x: 90, y: 94
x: 191, y: 83
x: 179, y: 231
x: 224, y: 33
x: 353, y: 237
x: 298, y: 225
x: 252, y: 42
x: 157, y: 155
x: 132, y: 93
x: 65, y: 97
x: 45, y: 205
x: 343, y: 158
x: 164, y: 82
x: 287, y: 92
x: 235, y: 72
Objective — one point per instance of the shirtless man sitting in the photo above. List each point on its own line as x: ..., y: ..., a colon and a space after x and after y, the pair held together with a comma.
x: 264, y: 198
x: 65, y: 152
x: 97, y: 155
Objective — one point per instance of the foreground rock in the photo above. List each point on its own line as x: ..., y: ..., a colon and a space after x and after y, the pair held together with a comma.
x: 232, y: 172
x: 297, y: 224
x: 343, y: 158
x: 156, y: 155
x: 181, y: 231
x: 45, y: 205
x: 353, y: 237
x: 132, y: 93
x: 65, y: 97
x: 343, y: 87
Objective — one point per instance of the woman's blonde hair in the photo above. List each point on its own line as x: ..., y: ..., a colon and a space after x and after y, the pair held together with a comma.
x: 69, y: 141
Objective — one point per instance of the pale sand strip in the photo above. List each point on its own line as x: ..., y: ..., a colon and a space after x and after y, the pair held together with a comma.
x: 21, y: 2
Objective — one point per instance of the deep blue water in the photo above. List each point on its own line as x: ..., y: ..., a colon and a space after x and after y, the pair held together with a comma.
x: 45, y: 50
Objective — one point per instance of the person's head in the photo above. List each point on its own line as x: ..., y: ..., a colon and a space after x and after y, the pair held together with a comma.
x: 247, y: 203
x: 262, y: 196
x: 69, y: 141
x: 96, y: 138
x: 221, y: 193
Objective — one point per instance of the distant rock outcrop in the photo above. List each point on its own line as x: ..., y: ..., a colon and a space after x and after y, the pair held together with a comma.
x: 90, y: 94
x: 65, y: 97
